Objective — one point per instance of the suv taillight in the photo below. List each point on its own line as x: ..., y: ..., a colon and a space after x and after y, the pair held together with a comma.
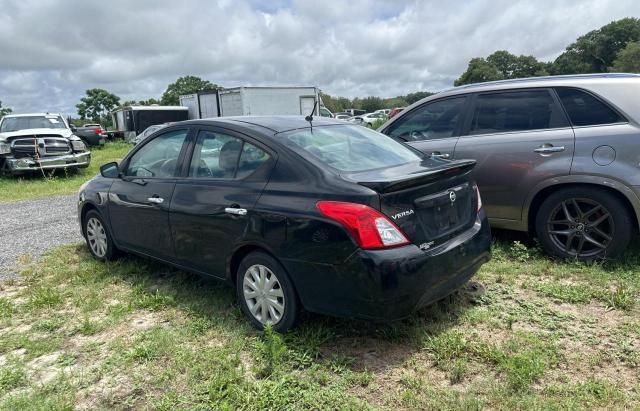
x: 368, y: 227
x: 479, y: 203
x: 98, y: 130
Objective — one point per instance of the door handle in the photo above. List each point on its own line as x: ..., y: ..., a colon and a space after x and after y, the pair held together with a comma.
x: 548, y: 149
x: 155, y: 200
x: 235, y: 211
x: 438, y: 154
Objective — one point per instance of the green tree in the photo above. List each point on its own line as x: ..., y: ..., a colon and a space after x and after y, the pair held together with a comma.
x: 628, y: 59
x: 371, y: 103
x: 185, y: 85
x: 4, y: 110
x: 97, y: 105
x: 479, y: 71
x: 596, y: 51
x: 418, y: 95
x: 512, y: 66
x: 335, y: 104
x: 148, y: 102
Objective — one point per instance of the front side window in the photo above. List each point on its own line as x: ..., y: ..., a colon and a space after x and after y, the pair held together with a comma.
x: 515, y: 111
x: 222, y: 156
x: 159, y: 157
x: 439, y: 119
x: 586, y: 110
x: 350, y: 148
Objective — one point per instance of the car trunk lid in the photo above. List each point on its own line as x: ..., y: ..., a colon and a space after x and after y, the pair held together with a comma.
x: 431, y: 202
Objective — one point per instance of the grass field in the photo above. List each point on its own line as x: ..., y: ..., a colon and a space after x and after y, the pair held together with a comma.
x: 37, y: 185
x: 75, y: 333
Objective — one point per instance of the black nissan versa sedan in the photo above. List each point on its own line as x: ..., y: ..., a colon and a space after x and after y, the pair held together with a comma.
x: 322, y: 215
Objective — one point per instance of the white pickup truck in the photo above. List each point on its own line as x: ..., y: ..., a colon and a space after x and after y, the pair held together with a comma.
x: 39, y: 141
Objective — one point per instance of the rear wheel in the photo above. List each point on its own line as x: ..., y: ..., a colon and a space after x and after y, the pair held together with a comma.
x: 98, y: 237
x: 583, y: 223
x: 265, y: 293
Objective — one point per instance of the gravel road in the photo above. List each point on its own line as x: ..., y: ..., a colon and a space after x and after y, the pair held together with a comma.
x: 34, y: 226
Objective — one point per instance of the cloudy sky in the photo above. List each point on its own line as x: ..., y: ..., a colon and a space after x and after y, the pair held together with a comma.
x: 51, y: 51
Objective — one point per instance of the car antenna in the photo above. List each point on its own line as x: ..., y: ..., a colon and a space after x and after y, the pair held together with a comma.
x: 309, y: 118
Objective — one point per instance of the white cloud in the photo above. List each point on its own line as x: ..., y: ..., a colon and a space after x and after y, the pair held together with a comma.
x: 54, y: 50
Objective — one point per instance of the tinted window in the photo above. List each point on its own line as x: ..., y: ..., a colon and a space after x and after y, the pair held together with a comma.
x: 159, y: 157
x: 586, y: 110
x: 439, y: 119
x: 351, y: 148
x: 222, y: 156
x: 515, y: 111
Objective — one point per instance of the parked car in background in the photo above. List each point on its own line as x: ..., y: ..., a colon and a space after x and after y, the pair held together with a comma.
x: 355, y: 112
x: 148, y: 131
x: 384, y: 111
x: 39, y: 141
x: 334, y: 218
x: 557, y: 156
x: 340, y: 116
x: 90, y: 134
x: 395, y: 111
x: 367, y: 120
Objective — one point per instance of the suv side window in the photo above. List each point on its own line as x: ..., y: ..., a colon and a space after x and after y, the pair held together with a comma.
x: 159, y: 157
x: 512, y: 111
x: 221, y: 156
x: 435, y: 120
x: 586, y: 110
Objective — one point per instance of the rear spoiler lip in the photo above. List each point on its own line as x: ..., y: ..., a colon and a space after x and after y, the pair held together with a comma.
x: 456, y: 167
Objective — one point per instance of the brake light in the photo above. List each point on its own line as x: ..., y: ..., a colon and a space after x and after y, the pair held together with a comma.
x: 479, y: 205
x: 98, y: 131
x: 369, y: 228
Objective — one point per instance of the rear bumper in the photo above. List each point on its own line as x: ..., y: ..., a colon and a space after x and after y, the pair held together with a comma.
x: 391, y: 284
x: 80, y: 160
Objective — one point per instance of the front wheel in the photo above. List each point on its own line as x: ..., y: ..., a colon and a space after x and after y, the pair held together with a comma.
x: 265, y: 293
x: 584, y: 223
x: 98, y: 237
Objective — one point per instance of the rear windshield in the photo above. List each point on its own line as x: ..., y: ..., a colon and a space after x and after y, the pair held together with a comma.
x: 10, y: 124
x: 351, y: 148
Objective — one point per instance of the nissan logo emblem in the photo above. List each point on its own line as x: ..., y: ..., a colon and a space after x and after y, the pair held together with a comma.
x: 452, y: 196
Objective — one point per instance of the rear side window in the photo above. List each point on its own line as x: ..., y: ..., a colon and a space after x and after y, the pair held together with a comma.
x: 439, y: 119
x: 586, y: 110
x: 515, y: 111
x: 221, y: 156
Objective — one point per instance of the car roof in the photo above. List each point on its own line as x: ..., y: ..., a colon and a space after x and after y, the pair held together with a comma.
x: 32, y: 115
x: 276, y: 124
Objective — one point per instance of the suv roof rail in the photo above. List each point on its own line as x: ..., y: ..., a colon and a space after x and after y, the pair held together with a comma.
x: 547, y: 78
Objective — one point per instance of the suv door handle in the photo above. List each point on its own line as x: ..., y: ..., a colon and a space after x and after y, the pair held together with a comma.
x: 548, y: 148
x: 155, y: 200
x: 235, y: 211
x: 438, y: 154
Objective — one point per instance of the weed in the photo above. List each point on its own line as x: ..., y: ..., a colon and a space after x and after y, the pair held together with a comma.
x: 273, y: 351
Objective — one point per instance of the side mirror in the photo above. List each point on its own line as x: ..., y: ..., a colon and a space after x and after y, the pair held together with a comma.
x: 73, y: 128
x: 110, y: 170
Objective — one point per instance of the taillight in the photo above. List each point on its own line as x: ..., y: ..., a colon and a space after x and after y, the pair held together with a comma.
x: 369, y: 228
x: 98, y: 131
x: 479, y: 204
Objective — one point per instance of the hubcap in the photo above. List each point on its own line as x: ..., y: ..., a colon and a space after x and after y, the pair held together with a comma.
x: 96, y: 237
x: 263, y: 294
x: 581, y: 227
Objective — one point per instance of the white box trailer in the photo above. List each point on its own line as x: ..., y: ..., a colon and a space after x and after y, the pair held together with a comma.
x: 254, y: 101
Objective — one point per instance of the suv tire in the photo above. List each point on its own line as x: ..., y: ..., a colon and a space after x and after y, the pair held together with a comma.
x: 265, y: 293
x: 584, y: 223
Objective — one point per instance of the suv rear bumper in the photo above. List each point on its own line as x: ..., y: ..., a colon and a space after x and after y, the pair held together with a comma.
x: 16, y: 165
x: 391, y: 284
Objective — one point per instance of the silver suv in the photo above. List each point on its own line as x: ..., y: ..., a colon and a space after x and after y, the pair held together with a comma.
x: 556, y: 156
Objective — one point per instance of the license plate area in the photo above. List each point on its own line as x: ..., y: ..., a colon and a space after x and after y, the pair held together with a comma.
x: 444, y: 212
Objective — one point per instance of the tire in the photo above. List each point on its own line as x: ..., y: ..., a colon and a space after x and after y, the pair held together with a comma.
x: 98, y: 237
x: 583, y: 223
x: 282, y: 292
